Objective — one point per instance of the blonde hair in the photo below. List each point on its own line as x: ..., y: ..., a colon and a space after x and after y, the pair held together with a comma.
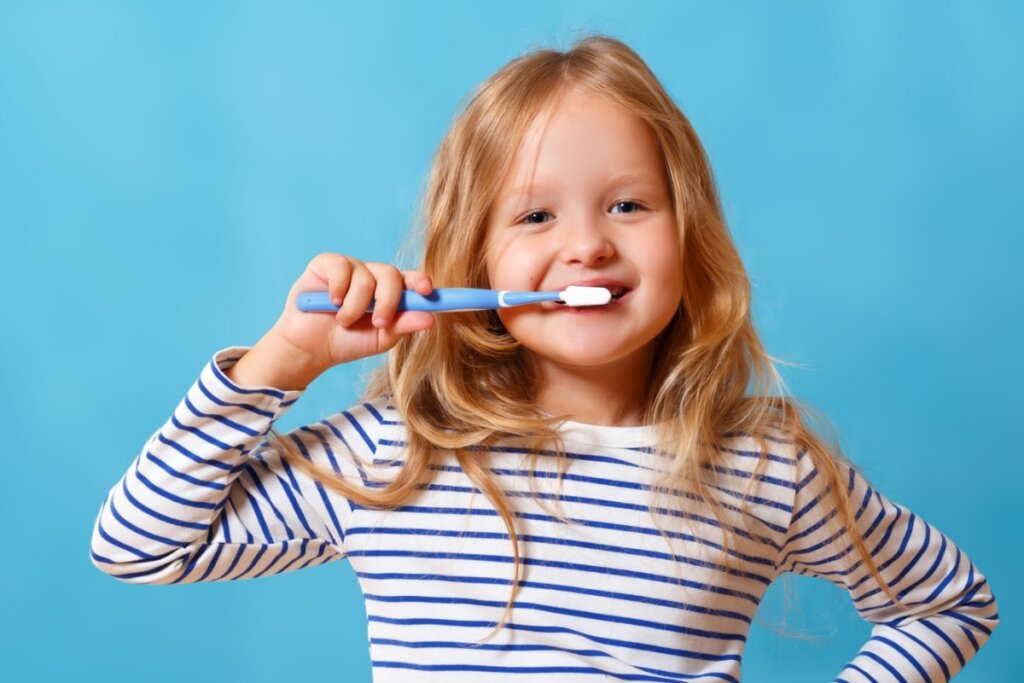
x: 465, y: 383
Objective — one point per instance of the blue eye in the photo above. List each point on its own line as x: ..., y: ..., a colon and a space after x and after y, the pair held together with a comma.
x: 629, y: 202
x: 526, y: 218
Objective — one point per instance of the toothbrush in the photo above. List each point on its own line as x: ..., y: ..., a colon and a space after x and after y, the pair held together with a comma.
x: 469, y: 299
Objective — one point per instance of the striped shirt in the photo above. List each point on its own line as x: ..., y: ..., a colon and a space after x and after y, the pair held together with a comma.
x: 207, y: 500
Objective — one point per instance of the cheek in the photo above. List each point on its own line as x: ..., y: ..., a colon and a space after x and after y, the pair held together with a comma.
x: 513, y: 269
x: 496, y: 263
x: 524, y: 323
x: 664, y: 258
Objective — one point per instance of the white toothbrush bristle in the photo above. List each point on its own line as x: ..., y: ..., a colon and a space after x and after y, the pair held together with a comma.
x: 575, y: 295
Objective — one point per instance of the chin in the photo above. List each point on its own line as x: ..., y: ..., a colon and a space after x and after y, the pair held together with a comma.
x: 583, y: 354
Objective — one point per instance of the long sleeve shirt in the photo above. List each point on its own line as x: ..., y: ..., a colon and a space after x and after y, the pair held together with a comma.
x: 206, y: 499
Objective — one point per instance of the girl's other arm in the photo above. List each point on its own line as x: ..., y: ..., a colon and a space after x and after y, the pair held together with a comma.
x: 950, y: 610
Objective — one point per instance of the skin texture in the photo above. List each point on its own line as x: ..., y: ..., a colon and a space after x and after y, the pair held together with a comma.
x: 561, y: 217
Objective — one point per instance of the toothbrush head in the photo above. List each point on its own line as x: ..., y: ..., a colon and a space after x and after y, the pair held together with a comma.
x: 575, y: 295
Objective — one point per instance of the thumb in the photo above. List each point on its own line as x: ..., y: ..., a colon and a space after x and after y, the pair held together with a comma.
x: 405, y: 322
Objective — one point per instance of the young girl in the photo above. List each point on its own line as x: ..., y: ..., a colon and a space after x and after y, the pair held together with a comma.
x: 636, y: 501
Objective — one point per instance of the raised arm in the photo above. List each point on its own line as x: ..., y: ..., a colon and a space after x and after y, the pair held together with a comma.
x: 205, y: 500
x: 950, y: 609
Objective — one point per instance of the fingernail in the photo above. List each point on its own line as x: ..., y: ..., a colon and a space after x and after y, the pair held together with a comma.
x: 378, y: 322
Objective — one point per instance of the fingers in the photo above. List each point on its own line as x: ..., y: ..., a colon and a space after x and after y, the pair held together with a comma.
x: 358, y: 296
x: 418, y: 281
x: 390, y: 284
x: 336, y: 270
x: 389, y: 291
x: 353, y: 284
x: 411, y: 321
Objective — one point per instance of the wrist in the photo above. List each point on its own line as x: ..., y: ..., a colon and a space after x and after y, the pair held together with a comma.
x: 274, y: 363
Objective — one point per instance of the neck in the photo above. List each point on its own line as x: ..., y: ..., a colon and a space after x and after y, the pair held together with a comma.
x: 610, y: 394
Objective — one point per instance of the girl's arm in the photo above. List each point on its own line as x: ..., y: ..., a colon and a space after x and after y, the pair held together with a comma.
x: 950, y: 609
x: 203, y: 501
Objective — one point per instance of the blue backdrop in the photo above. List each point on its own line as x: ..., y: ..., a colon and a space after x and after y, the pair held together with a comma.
x: 168, y: 169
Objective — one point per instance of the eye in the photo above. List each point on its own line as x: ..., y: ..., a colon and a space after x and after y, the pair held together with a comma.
x: 527, y: 217
x: 629, y: 202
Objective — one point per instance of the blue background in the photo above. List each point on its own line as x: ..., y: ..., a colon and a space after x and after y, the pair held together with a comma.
x: 168, y: 169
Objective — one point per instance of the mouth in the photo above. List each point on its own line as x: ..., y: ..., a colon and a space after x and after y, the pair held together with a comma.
x: 616, y: 287
x: 618, y: 293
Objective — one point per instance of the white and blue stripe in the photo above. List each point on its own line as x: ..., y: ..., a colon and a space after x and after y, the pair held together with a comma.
x: 207, y: 501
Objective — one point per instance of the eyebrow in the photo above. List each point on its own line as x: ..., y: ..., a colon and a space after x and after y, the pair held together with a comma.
x: 621, y: 179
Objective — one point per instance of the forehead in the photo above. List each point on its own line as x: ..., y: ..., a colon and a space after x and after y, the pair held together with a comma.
x: 583, y: 137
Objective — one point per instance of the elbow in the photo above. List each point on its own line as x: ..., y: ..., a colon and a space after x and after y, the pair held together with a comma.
x: 162, y: 569
x: 141, y: 572
x: 119, y: 557
x: 982, y: 612
x: 992, y: 615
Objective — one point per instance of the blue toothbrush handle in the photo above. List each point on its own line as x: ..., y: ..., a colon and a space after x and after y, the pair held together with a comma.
x: 441, y: 299
x: 447, y: 299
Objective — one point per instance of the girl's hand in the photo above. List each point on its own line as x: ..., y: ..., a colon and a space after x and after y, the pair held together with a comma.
x: 325, y: 339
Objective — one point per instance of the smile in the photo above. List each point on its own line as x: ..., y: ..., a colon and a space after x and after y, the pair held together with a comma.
x: 619, y: 295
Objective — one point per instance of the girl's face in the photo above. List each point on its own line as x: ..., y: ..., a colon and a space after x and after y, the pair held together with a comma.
x: 587, y: 202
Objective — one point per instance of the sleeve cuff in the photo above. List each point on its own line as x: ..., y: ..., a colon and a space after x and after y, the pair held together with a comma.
x: 268, y: 398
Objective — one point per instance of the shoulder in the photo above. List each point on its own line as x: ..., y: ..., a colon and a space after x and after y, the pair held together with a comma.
x: 351, y: 442
x: 364, y: 427
x: 361, y: 430
x: 813, y: 474
x: 777, y: 463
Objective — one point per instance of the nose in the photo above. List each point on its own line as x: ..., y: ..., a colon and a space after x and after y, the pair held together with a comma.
x: 585, y: 241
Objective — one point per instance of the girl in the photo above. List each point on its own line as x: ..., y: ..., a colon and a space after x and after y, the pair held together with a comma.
x: 637, y: 501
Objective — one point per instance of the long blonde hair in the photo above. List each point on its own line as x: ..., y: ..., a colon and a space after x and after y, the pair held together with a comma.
x: 465, y: 384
